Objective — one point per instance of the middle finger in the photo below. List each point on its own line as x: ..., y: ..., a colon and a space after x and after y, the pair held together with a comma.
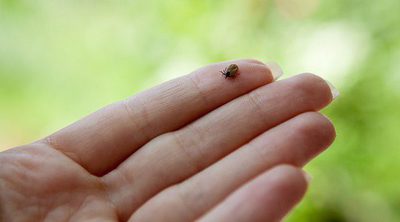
x: 175, y: 156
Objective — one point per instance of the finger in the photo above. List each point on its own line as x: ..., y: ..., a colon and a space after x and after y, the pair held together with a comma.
x: 102, y: 140
x: 269, y: 197
x: 294, y: 142
x: 196, y: 146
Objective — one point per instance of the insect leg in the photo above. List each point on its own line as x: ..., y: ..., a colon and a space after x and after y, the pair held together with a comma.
x: 224, y: 71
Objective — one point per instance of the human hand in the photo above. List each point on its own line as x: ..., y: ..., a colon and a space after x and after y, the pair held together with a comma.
x: 200, y: 147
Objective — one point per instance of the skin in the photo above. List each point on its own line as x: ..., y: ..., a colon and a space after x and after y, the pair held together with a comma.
x: 194, y: 148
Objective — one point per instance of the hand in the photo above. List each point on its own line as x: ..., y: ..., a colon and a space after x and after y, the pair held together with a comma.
x: 200, y: 147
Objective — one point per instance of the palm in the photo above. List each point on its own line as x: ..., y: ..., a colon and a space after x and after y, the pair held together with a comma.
x: 193, y: 148
x: 43, y: 183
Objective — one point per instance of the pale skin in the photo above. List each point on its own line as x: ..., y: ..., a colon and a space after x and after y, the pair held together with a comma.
x: 200, y: 147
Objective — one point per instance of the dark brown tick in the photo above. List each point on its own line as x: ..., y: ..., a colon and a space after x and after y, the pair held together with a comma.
x: 230, y: 71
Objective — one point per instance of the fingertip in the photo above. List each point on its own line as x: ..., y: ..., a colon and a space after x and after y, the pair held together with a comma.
x: 288, y: 177
x: 268, y: 197
x: 270, y: 68
x: 316, y: 128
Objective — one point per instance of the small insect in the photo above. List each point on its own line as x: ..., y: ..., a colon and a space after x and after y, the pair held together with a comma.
x: 230, y: 71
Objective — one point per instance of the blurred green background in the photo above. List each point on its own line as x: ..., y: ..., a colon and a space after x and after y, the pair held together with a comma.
x: 60, y: 60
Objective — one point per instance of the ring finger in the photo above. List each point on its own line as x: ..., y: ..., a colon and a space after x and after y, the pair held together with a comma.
x: 198, y: 145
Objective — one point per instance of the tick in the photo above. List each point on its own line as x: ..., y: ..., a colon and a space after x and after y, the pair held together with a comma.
x: 230, y: 71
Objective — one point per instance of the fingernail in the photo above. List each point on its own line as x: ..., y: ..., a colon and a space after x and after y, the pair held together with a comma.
x: 334, y: 91
x: 307, y: 176
x: 275, y: 70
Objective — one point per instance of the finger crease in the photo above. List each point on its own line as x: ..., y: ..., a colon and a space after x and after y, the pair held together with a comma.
x: 51, y: 143
x: 192, y: 161
x: 186, y: 204
x: 253, y: 99
x: 144, y: 117
x: 199, y: 91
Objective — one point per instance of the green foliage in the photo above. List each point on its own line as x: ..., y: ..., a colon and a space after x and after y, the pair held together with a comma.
x: 60, y: 60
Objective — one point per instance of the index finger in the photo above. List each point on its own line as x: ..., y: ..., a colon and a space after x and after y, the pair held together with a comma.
x: 105, y: 138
